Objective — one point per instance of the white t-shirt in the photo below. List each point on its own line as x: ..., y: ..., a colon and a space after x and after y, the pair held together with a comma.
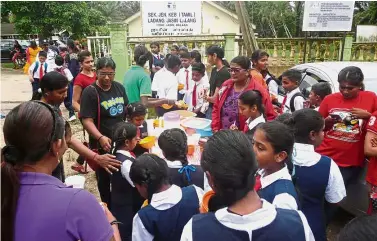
x: 166, y: 85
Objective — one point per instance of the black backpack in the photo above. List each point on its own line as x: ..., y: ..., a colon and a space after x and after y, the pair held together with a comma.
x: 292, y: 101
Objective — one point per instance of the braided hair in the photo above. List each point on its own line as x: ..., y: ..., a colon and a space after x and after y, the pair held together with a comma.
x: 122, y: 131
x: 150, y: 170
x: 173, y: 143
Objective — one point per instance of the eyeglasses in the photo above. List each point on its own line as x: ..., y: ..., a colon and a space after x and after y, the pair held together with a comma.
x: 104, y: 74
x: 235, y: 70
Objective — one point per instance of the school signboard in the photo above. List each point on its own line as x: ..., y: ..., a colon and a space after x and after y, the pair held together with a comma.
x: 328, y: 16
x: 169, y: 18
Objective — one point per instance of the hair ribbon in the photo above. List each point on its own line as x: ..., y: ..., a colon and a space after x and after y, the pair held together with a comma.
x: 187, y: 170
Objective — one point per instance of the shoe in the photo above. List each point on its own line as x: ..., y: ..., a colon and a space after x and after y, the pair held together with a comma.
x: 72, y: 118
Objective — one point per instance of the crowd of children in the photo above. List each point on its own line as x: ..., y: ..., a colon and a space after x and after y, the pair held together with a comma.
x: 271, y: 171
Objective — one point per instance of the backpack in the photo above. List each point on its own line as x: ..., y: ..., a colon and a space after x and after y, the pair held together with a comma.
x: 60, y: 71
x: 37, y: 66
x: 292, y: 101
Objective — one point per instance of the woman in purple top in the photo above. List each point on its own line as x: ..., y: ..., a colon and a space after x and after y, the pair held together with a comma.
x: 35, y: 205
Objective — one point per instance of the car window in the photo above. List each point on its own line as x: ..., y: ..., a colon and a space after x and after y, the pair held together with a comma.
x: 309, y: 79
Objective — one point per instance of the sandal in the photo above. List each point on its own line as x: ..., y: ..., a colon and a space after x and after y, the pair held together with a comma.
x: 79, y: 168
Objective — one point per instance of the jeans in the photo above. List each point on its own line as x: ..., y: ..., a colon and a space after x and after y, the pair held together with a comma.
x: 68, y: 100
x: 350, y: 175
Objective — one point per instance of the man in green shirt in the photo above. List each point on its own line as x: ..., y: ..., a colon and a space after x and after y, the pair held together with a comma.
x: 137, y: 84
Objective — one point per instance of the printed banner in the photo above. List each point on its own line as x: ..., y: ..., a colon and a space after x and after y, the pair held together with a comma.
x: 165, y: 18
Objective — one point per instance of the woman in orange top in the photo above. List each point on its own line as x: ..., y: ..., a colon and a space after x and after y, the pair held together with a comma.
x: 259, y: 60
x: 31, y: 55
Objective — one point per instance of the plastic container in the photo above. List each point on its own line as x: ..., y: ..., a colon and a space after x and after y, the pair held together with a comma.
x: 148, y: 142
x: 196, y: 123
x: 207, y: 132
x: 75, y: 181
x: 172, y: 120
x: 193, y: 139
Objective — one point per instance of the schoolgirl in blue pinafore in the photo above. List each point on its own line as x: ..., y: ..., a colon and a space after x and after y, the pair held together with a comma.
x: 125, y: 199
x: 266, y: 224
x: 314, y: 186
x: 278, y: 189
x: 169, y: 207
x: 317, y: 178
x: 173, y: 143
x: 168, y: 224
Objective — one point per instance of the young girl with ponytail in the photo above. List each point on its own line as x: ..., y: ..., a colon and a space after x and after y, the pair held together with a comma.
x: 173, y: 143
x: 169, y: 206
x: 125, y: 200
x: 230, y: 167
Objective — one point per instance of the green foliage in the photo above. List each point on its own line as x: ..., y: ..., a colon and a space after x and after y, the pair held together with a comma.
x: 273, y: 18
x: 365, y: 13
x: 44, y: 18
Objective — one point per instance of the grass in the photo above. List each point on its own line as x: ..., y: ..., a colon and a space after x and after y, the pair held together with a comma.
x: 7, y: 65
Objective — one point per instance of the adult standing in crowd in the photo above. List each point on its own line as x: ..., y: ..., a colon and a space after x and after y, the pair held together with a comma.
x: 36, y: 205
x: 85, y: 78
x: 103, y: 105
x: 31, y: 55
x: 16, y: 51
x: 53, y: 90
x: 73, y: 65
x: 346, y: 114
x: 219, y: 74
x: 138, y: 83
x: 225, y: 110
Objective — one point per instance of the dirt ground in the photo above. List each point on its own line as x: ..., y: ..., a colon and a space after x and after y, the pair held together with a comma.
x: 15, y: 88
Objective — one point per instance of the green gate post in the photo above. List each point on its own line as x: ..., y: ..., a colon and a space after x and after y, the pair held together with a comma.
x: 229, y: 45
x: 347, y: 51
x: 119, y: 49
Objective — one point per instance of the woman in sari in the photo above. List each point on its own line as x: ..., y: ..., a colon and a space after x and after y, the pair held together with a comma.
x: 31, y: 55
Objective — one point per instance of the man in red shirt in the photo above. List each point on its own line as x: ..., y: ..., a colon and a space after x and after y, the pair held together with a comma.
x: 370, y: 147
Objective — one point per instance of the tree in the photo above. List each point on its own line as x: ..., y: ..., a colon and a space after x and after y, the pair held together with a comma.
x: 365, y: 12
x: 44, y: 18
x: 273, y: 18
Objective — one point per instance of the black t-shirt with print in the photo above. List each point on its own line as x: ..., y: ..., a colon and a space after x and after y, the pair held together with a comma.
x: 112, y: 106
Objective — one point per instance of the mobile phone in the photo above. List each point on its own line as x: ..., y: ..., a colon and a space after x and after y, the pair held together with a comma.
x: 336, y: 117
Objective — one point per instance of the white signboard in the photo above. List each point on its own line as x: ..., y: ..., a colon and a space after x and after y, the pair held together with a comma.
x: 328, y: 16
x: 163, y: 18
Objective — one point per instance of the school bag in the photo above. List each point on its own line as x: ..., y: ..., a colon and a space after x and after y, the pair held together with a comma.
x: 292, y: 101
x: 61, y: 71
x: 37, y: 66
